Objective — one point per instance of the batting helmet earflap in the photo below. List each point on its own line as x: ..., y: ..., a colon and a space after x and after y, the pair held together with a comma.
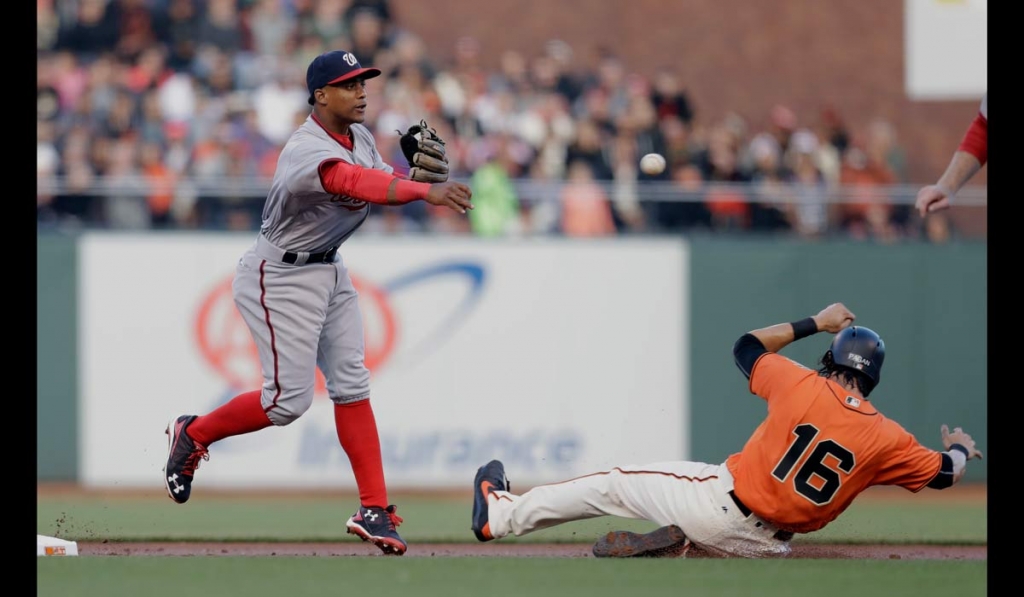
x: 860, y: 349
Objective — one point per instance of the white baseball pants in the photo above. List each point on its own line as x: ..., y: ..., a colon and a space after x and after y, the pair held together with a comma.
x: 692, y: 495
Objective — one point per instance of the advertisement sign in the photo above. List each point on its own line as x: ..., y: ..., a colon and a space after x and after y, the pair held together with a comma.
x: 558, y: 357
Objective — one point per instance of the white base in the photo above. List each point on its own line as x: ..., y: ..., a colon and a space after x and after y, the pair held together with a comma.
x: 52, y: 546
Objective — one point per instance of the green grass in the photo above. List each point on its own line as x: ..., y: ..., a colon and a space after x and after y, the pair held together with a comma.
x: 218, y: 518
x: 439, y: 520
x: 500, y: 577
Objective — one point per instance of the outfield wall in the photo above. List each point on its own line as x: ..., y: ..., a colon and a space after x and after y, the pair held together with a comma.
x: 556, y: 355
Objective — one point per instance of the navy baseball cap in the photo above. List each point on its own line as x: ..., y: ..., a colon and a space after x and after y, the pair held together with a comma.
x: 334, y: 67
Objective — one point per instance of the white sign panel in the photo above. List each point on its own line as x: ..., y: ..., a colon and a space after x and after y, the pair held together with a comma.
x: 558, y: 357
x: 946, y: 47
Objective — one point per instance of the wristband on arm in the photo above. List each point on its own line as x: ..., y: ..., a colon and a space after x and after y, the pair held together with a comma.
x: 804, y: 327
x: 960, y: 448
x: 958, y: 460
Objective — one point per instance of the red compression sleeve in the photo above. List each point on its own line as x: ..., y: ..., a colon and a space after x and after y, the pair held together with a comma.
x: 357, y: 432
x: 975, y: 141
x: 243, y: 414
x: 367, y: 184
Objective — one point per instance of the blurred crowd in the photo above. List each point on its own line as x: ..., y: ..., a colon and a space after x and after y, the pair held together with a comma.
x: 171, y: 114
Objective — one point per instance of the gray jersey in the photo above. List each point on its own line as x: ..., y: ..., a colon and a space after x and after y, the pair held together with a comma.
x: 299, y: 214
x: 984, y: 106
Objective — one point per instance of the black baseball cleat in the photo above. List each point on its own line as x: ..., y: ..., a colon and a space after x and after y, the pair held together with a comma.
x: 665, y: 542
x: 489, y: 478
x: 183, y: 457
x: 377, y: 525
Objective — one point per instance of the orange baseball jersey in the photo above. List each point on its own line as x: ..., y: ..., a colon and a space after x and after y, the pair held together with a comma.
x: 818, y: 448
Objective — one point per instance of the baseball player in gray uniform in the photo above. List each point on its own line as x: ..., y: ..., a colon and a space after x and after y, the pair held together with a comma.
x: 293, y: 290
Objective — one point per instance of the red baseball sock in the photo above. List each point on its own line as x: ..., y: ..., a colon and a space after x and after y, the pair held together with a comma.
x: 242, y: 414
x: 357, y: 432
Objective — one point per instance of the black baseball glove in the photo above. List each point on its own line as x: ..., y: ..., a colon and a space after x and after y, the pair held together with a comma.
x: 425, y: 152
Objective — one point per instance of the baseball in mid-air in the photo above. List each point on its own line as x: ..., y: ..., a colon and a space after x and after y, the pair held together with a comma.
x: 652, y: 163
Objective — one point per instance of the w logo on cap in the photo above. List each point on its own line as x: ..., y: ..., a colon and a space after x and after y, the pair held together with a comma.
x: 335, y: 67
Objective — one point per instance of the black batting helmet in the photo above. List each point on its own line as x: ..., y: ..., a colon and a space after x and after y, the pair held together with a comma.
x: 860, y: 349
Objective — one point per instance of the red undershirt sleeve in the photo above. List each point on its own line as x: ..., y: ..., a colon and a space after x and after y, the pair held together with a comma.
x: 374, y: 186
x: 975, y: 141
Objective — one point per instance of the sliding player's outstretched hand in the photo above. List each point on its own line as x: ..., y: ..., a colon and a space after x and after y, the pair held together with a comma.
x: 959, y: 437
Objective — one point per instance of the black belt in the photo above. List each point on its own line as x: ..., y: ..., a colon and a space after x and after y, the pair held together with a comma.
x: 743, y: 507
x: 324, y: 257
x: 780, y: 535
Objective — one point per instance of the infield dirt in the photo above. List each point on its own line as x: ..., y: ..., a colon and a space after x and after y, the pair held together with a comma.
x: 531, y: 550
x: 350, y: 547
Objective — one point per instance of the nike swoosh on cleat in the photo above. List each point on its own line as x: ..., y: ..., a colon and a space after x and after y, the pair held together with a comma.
x: 486, y: 487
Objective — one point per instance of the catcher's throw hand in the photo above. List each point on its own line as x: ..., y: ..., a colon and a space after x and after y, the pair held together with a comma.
x: 425, y: 151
